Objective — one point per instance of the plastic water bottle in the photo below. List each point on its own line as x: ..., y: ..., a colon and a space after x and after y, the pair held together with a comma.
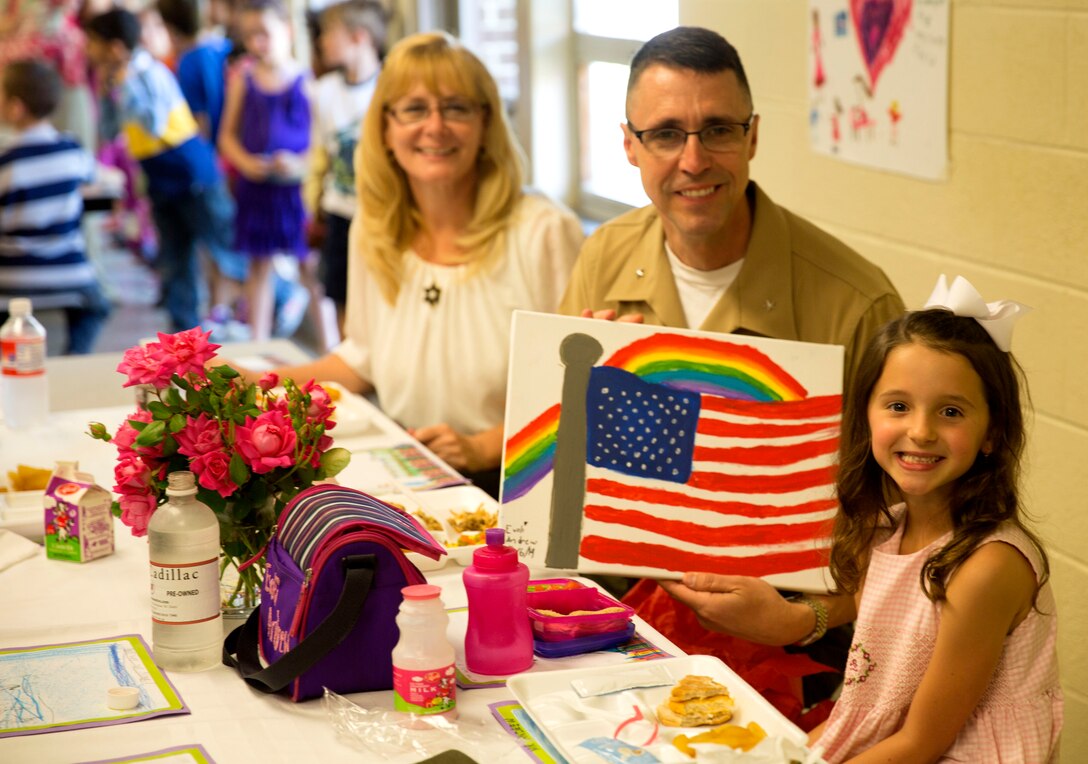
x: 499, y: 639
x: 424, y: 679
x: 23, y: 386
x: 183, y: 535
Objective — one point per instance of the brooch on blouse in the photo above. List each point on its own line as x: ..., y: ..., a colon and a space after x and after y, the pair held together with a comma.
x: 432, y: 294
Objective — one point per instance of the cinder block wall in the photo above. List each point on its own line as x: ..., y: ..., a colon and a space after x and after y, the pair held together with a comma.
x: 1012, y: 217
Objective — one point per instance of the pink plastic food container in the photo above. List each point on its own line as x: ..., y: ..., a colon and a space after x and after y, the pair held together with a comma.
x: 544, y: 605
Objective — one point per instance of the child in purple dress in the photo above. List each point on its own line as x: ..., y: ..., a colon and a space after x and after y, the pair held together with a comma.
x: 265, y: 134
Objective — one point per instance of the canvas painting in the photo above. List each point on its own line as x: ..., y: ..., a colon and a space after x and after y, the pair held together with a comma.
x: 878, y: 83
x: 647, y: 451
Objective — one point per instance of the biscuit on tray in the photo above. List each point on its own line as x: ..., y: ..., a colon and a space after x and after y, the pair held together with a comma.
x: 696, y: 701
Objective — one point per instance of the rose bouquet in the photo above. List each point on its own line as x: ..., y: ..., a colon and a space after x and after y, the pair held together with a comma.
x: 251, y: 447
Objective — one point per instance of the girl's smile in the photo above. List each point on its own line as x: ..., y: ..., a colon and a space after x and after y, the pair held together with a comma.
x: 929, y: 421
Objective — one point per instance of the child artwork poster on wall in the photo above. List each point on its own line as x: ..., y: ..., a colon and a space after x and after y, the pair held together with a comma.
x: 878, y: 83
x: 648, y: 451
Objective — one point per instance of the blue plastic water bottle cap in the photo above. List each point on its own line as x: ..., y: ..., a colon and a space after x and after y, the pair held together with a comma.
x: 421, y: 592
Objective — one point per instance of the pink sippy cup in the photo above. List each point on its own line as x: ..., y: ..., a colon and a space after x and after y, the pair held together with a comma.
x: 499, y: 639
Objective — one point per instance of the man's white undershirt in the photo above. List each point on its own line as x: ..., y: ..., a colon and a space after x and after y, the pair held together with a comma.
x: 700, y: 290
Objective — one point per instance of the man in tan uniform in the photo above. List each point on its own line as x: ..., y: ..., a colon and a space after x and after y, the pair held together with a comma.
x: 714, y: 252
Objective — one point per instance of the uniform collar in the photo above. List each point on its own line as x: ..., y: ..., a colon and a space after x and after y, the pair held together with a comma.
x: 646, y: 278
x: 759, y: 301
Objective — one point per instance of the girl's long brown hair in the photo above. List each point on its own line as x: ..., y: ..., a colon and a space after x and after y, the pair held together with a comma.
x: 984, y: 497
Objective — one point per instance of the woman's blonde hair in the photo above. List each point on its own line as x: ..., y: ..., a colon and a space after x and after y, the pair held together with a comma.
x: 388, y: 216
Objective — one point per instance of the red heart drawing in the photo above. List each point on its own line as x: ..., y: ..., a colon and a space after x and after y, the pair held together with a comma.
x: 879, y: 26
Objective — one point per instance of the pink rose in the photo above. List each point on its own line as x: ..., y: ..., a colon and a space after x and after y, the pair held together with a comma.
x: 280, y: 404
x: 268, y: 381
x: 125, y: 440
x: 321, y: 406
x: 126, y: 434
x: 266, y: 442
x: 324, y: 443
x: 132, y: 475
x: 212, y: 470
x: 199, y: 436
x: 136, y: 510
x: 186, y: 351
x: 143, y: 367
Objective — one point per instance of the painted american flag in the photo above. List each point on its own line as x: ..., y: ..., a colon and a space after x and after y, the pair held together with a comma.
x: 693, y: 481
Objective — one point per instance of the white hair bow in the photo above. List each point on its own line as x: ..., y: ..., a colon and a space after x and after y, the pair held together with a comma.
x: 997, y: 318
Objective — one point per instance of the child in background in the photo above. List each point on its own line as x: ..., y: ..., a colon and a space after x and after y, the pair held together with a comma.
x: 201, y: 71
x: 154, y: 38
x: 201, y: 67
x: 953, y: 656
x: 130, y: 224
x: 42, y: 251
x: 189, y: 200
x: 265, y: 135
x: 352, y: 38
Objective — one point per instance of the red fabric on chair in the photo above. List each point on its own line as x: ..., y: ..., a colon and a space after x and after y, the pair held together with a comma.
x: 771, y: 671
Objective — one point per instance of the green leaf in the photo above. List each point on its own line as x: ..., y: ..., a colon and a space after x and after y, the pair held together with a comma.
x: 169, y: 448
x: 137, y: 425
x: 212, y: 498
x: 151, y: 434
x: 227, y: 372
x: 239, y: 473
x: 177, y: 423
x: 173, y: 397
x: 158, y: 410
x: 182, y: 383
x: 334, y: 460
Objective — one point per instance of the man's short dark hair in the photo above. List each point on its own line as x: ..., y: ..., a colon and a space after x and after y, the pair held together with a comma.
x: 35, y: 83
x: 695, y: 48
x: 116, y: 24
x: 181, y: 16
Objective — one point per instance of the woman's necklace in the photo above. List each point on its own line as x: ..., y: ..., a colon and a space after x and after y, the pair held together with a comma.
x: 425, y: 248
x: 432, y: 294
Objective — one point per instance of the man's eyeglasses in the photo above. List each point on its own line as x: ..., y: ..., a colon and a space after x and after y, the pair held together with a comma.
x: 721, y: 137
x: 451, y: 109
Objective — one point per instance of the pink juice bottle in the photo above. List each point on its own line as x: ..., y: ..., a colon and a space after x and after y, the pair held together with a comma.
x: 499, y: 639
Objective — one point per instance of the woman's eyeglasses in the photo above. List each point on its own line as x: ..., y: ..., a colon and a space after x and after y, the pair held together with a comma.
x: 450, y: 109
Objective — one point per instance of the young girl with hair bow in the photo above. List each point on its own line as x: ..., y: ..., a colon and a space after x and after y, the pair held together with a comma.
x: 953, y: 656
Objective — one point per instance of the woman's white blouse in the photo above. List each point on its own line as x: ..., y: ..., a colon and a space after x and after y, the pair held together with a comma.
x: 446, y: 360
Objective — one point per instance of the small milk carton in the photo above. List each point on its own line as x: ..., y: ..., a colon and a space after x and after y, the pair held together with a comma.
x: 78, y: 521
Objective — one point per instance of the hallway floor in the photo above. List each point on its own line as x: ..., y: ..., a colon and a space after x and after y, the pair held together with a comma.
x: 132, y: 286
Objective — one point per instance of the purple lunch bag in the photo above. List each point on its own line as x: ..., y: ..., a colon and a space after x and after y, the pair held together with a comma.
x: 334, y: 572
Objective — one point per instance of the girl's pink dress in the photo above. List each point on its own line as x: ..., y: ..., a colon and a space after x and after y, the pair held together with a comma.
x: 1019, y: 717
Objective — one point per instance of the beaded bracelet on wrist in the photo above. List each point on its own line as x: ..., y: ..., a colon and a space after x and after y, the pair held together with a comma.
x: 820, y: 609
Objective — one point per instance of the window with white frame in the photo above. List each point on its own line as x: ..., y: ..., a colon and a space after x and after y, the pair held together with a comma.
x: 562, y: 68
x: 607, y: 34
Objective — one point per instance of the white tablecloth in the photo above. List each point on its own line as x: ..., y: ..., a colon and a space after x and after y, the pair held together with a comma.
x: 48, y: 602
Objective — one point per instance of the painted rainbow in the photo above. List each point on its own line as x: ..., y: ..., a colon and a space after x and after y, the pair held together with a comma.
x: 530, y: 454
x: 713, y: 367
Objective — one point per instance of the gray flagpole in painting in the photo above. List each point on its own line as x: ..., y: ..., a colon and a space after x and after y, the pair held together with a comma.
x: 578, y: 352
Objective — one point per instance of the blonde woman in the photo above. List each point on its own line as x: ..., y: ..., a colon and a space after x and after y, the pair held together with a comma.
x: 445, y: 246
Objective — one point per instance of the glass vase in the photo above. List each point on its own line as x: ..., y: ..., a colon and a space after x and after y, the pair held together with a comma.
x: 240, y: 591
x: 243, y: 538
